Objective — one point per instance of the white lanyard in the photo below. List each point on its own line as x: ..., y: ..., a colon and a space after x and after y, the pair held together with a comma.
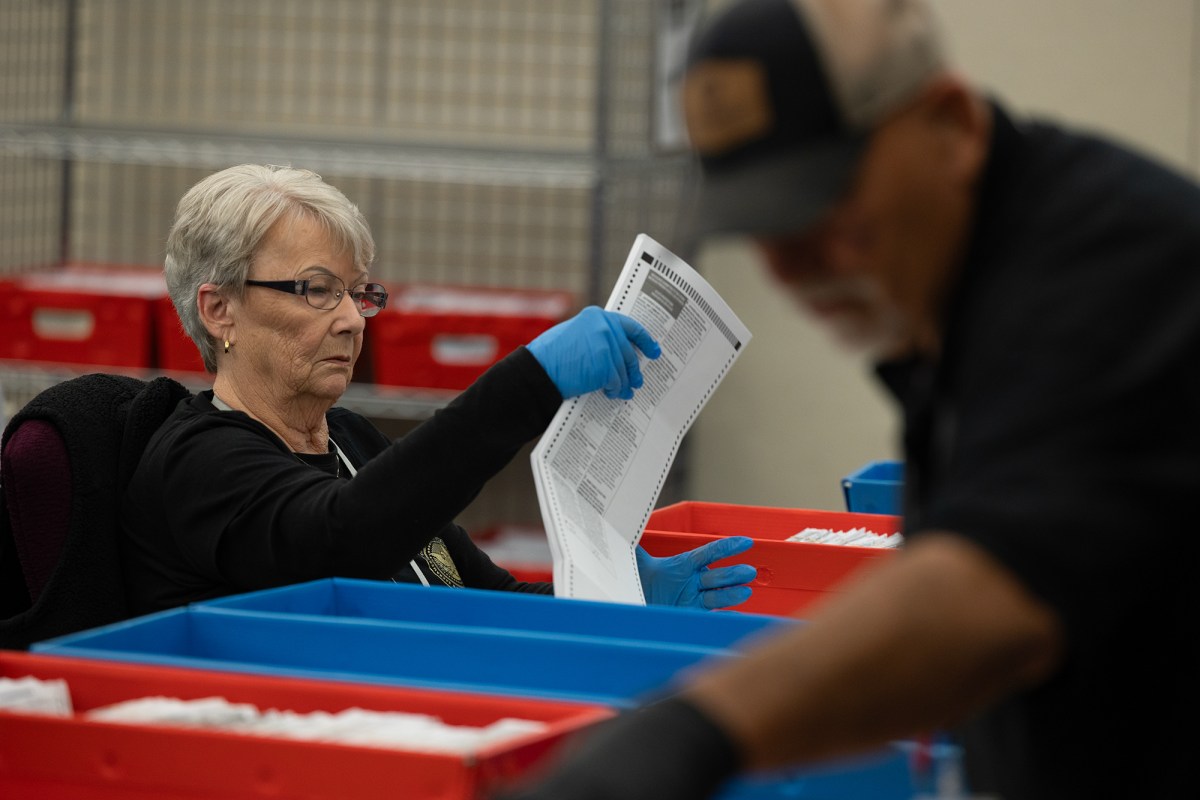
x: 221, y: 404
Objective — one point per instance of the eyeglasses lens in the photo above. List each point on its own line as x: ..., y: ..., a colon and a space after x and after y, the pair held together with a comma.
x: 370, y: 298
x: 324, y: 291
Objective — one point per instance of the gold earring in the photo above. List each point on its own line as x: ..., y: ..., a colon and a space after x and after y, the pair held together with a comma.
x: 227, y: 346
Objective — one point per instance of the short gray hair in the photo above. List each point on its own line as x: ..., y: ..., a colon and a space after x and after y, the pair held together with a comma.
x: 221, y: 222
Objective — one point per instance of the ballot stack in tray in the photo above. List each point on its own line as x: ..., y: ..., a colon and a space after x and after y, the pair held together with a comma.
x: 462, y: 656
x: 97, y: 747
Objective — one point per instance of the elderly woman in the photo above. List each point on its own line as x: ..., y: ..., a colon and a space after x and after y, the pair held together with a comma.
x: 263, y: 482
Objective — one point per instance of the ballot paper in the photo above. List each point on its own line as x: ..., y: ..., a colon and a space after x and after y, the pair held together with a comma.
x: 36, y: 696
x: 600, y: 466
x: 855, y: 537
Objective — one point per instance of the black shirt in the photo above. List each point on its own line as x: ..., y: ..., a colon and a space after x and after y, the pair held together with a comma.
x: 1060, y: 430
x: 219, y: 505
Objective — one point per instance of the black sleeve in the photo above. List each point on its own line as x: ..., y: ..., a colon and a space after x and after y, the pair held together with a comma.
x: 247, y: 513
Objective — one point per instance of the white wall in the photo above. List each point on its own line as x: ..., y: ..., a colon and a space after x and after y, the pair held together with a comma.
x: 1126, y: 67
x: 795, y: 413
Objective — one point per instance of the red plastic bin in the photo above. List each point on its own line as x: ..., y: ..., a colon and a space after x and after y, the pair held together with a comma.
x: 176, y: 350
x: 81, y: 314
x: 444, y: 337
x: 55, y: 758
x: 104, y: 315
x: 792, y: 576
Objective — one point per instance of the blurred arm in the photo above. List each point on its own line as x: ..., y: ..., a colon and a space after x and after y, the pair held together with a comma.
x: 917, y: 643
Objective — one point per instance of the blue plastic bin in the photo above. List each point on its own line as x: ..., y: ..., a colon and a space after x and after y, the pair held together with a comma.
x: 561, y: 666
x: 884, y: 775
x: 881, y: 775
x: 501, y: 611
x: 875, y: 488
x: 584, y: 669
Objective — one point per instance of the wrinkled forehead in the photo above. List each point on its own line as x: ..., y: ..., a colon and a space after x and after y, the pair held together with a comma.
x: 303, y: 228
x: 303, y: 247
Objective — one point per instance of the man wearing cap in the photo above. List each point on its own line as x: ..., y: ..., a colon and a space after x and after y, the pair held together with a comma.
x: 1033, y: 296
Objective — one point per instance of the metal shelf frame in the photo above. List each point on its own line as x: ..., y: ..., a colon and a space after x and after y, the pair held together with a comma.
x: 214, y: 150
x: 128, y: 102
x: 21, y: 380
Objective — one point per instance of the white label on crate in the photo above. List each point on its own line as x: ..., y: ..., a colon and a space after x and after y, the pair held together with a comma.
x: 464, y: 350
x: 122, y: 282
x: 73, y: 325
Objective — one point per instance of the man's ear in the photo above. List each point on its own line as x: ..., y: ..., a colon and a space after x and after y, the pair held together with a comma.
x: 964, y: 121
x: 216, y: 312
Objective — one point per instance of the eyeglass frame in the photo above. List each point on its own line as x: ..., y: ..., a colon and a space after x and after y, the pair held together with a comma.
x: 299, y: 286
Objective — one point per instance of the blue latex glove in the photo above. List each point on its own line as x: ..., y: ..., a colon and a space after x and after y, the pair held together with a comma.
x: 686, y: 580
x: 594, y: 350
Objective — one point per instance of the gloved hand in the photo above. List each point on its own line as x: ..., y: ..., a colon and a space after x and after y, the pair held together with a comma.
x: 686, y: 580
x: 665, y: 751
x: 594, y: 350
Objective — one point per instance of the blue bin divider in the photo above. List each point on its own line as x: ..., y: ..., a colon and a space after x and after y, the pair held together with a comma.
x: 875, y: 488
x: 499, y: 611
x: 583, y: 669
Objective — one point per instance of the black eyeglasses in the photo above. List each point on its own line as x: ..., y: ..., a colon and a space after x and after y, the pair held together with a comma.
x: 325, y: 292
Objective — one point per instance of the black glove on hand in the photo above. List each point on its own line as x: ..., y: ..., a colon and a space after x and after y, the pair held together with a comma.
x: 665, y: 751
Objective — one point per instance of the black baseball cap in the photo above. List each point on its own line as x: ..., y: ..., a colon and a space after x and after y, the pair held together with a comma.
x: 780, y: 98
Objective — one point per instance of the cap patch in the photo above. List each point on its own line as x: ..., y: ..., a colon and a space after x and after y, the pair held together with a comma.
x: 725, y: 104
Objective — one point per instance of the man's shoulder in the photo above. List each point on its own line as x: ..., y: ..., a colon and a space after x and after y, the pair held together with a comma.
x: 1086, y: 170
x: 1069, y: 209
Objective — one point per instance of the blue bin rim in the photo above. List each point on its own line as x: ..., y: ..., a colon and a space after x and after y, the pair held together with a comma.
x: 501, y: 596
x: 862, y: 474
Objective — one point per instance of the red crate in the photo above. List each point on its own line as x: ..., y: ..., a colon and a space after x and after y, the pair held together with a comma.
x: 55, y: 758
x: 81, y: 314
x: 444, y: 337
x: 523, y: 550
x: 176, y: 350
x: 792, y: 576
